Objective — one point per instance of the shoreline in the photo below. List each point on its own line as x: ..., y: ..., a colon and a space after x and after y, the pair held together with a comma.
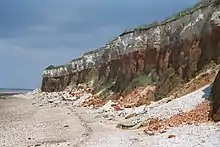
x: 57, y: 114
x: 8, y: 94
x: 11, y: 92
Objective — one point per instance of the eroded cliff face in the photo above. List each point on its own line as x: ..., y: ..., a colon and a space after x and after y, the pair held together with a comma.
x: 215, y: 99
x: 175, y: 51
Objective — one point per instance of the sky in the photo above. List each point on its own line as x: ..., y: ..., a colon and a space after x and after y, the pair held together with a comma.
x: 38, y: 33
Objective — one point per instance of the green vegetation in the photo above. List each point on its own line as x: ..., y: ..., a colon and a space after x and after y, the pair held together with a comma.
x: 76, y: 59
x: 60, y: 66
x: 159, y: 96
x: 2, y: 96
x: 127, y: 31
x: 55, y: 67
x: 216, y: 2
x: 143, y: 80
x: 103, y: 87
x: 146, y: 26
x: 105, y: 93
x: 114, y: 39
x: 94, y: 51
x: 174, y: 17
x: 50, y: 67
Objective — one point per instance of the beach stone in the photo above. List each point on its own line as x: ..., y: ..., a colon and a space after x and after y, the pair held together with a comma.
x: 70, y: 98
x: 52, y: 100
x: 108, y: 106
x: 82, y: 99
x: 128, y: 124
x: 66, y: 126
x: 130, y: 115
x: 171, y: 136
x: 140, y: 110
x: 57, y: 102
x: 40, y: 105
x: 149, y: 132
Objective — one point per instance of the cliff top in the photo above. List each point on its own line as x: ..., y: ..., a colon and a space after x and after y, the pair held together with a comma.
x: 94, y: 51
x: 202, y: 4
x: 187, y: 11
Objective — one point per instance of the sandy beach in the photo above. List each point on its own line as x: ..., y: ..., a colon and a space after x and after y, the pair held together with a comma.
x: 44, y: 119
x: 24, y: 124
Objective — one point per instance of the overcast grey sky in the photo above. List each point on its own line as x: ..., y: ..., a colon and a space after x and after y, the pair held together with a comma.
x: 37, y: 33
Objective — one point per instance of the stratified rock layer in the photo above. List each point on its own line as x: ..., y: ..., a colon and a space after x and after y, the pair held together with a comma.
x: 175, y: 50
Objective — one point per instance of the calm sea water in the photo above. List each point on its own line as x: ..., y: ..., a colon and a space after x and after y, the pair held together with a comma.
x: 13, y: 90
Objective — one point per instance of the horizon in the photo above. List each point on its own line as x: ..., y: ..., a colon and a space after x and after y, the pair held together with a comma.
x: 36, y: 34
x: 15, y: 88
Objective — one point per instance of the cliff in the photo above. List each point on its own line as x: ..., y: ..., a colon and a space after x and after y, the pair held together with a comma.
x: 215, y: 99
x: 163, y: 54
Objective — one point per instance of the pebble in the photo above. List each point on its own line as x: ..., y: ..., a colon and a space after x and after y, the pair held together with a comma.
x: 126, y: 125
x: 164, y: 110
x: 187, y: 135
x: 66, y: 126
x: 182, y: 104
x: 149, y: 133
x: 171, y: 136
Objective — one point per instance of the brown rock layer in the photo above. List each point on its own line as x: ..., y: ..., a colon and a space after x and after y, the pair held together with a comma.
x: 175, y: 51
x: 199, y: 114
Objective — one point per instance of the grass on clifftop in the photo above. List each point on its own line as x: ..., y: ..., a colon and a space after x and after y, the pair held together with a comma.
x: 174, y: 17
x: 56, y: 67
x: 50, y: 67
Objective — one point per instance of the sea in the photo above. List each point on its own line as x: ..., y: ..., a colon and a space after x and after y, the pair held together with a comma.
x: 11, y: 91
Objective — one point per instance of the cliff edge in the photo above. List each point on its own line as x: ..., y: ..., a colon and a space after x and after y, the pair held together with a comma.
x: 163, y: 54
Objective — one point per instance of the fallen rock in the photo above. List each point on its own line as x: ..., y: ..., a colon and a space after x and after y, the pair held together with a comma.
x: 171, y: 136
x: 40, y: 105
x: 70, y: 98
x: 110, y: 115
x: 160, y: 102
x: 52, y: 100
x: 57, y: 102
x: 126, y: 112
x: 199, y: 114
x: 163, y: 131
x: 108, y: 106
x: 215, y: 99
x: 140, y: 110
x: 129, y: 116
x: 126, y: 125
x: 138, y: 97
x: 94, y: 102
x: 117, y: 108
x: 82, y: 99
x: 149, y: 132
